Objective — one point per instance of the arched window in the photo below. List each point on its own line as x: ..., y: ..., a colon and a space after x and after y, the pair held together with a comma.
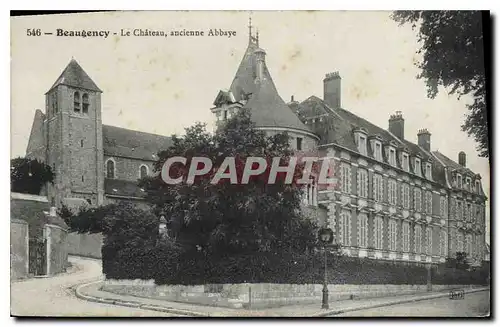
x: 110, y: 169
x: 143, y: 171
x: 76, y: 103
x: 85, y: 102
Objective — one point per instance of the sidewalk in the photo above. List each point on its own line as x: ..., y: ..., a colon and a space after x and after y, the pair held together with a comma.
x: 91, y: 292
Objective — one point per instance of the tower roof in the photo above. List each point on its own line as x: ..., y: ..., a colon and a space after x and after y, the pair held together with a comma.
x: 266, y: 106
x: 74, y: 75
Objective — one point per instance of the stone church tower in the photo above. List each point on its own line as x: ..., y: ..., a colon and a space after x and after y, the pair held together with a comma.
x: 73, y: 136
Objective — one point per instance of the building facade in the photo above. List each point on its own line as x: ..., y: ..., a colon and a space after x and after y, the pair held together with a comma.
x: 394, y: 199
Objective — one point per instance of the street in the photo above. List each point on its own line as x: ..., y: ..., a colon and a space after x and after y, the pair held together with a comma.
x: 53, y: 296
x: 473, y: 305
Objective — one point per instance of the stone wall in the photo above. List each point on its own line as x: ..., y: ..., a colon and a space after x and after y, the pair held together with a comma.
x: 57, y: 252
x: 19, y: 256
x: 86, y: 245
x: 261, y: 295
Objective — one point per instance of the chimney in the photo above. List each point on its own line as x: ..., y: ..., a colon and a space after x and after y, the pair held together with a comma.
x: 331, y: 90
x: 260, y: 57
x: 462, y: 159
x: 294, y: 105
x: 397, y: 125
x: 424, y: 139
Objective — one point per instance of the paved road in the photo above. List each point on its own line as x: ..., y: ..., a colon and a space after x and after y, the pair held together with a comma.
x: 54, y: 296
x: 474, y: 305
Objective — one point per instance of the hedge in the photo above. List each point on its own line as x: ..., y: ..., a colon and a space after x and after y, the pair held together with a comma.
x: 168, y: 266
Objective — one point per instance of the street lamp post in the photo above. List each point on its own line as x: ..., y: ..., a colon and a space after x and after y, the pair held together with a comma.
x: 325, y: 237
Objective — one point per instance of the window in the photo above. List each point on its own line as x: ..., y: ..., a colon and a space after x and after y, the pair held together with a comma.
x: 392, y: 157
x: 378, y: 151
x: 418, y: 239
x: 460, y: 242
x: 362, y: 183
x: 85, y: 102
x: 392, y: 234
x: 346, y: 178
x: 428, y: 170
x: 378, y: 187
x: 428, y: 202
x: 469, y: 212
x: 406, y: 196
x: 467, y: 183
x: 406, y: 236
x: 379, y: 232
x: 418, y: 168
x: 428, y: 237
x: 418, y: 199
x: 363, y: 230
x: 299, y: 143
x: 81, y: 143
x: 345, y: 227
x: 143, y: 171
x: 406, y: 162
x: 459, y: 181
x: 110, y: 169
x: 76, y: 104
x: 468, y: 244
x: 362, y: 144
x: 310, y: 193
x: 392, y: 191
x: 54, y: 102
x: 478, y: 186
x: 443, y: 243
x: 83, y: 180
x: 443, y: 206
x: 225, y: 114
x: 460, y: 211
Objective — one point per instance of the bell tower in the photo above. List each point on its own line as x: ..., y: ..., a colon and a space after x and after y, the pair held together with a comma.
x: 74, y: 137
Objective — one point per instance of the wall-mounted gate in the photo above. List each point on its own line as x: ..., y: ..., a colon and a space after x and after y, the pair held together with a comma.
x: 37, y: 256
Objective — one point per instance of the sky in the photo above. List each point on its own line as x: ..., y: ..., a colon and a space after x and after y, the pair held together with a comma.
x: 162, y: 85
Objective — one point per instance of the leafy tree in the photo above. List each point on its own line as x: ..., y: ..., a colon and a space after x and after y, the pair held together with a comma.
x: 453, y: 57
x: 29, y: 175
x: 224, y: 217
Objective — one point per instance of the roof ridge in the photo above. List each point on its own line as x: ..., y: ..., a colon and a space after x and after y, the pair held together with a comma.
x: 136, y: 131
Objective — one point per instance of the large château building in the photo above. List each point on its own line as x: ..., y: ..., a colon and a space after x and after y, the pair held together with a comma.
x: 395, y: 199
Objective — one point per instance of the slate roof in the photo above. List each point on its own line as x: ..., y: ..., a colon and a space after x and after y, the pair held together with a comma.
x: 123, y: 188
x: 266, y: 106
x: 128, y: 143
x: 452, y: 164
x: 74, y: 75
x: 345, y: 122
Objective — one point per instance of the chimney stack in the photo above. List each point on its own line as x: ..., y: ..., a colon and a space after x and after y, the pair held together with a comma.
x: 462, y: 159
x: 424, y: 139
x: 331, y: 90
x: 397, y: 125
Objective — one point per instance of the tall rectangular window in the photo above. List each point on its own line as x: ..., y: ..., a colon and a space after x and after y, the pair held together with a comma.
x: 392, y: 191
x: 379, y: 233
x: 362, y: 144
x: 406, y: 196
x: 392, y: 157
x: 468, y: 243
x: 392, y: 235
x: 460, y: 210
x: 428, y: 170
x: 428, y: 238
x: 418, y: 199
x: 345, y: 227
x: 460, y: 242
x: 378, y: 151
x: 443, y: 244
x: 406, y: 236
x: 405, y: 162
x: 443, y: 206
x: 346, y: 178
x: 418, y: 167
x: 418, y: 239
x: 363, y: 230
x: 378, y: 187
x: 428, y: 202
x: 362, y: 183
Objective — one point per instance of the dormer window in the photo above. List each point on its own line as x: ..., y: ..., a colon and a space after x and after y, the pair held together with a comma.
x: 478, y: 186
x: 468, y: 183
x: 360, y: 138
x: 392, y: 156
x: 418, y: 168
x: 459, y: 181
x: 405, y: 161
x: 428, y: 170
x: 378, y: 151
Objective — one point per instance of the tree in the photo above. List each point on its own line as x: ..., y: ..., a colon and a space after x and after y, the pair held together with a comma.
x: 29, y: 175
x: 231, y: 218
x: 452, y: 45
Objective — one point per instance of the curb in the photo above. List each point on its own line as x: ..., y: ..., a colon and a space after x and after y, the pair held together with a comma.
x: 386, y: 304
x: 133, y: 304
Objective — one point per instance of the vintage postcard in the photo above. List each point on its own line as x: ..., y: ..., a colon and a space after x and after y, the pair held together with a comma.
x: 250, y: 164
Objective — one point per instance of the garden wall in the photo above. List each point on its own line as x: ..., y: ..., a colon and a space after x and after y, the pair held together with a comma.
x: 261, y: 295
x: 86, y: 245
x: 19, y: 256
